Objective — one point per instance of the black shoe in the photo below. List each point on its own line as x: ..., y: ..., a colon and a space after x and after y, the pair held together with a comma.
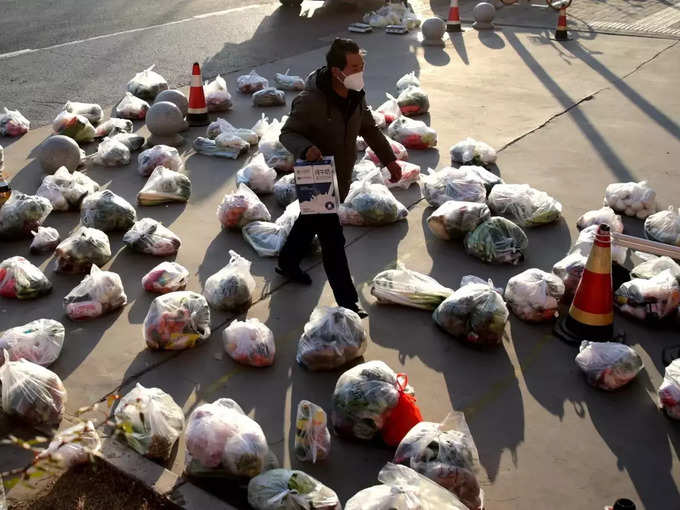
x: 297, y: 275
x: 359, y: 311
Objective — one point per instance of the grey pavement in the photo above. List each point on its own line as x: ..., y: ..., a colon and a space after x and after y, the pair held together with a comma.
x: 569, y: 119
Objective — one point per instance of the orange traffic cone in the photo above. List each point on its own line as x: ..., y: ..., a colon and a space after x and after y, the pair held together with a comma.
x: 561, y: 32
x: 453, y: 23
x: 591, y: 315
x: 197, y: 114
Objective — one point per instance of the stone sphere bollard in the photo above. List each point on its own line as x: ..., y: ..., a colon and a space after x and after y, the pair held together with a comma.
x: 164, y: 121
x: 433, y: 30
x: 57, y: 151
x: 484, y: 13
x: 176, y: 97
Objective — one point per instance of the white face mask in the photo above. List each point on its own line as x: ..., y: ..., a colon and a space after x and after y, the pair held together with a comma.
x: 354, y: 81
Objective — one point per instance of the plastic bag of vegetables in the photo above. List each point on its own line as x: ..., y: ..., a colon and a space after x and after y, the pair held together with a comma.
x: 72, y: 446
x: 664, y: 227
x: 31, y: 392
x: 390, y: 109
x: 413, y: 101
x: 257, y: 175
x: 414, y: 134
x: 524, y: 205
x: 232, y: 287
x: 100, y: 292
x: 474, y: 151
x: 220, y: 435
x: 240, y: 208
x: 475, y: 313
x: 404, y: 489
x: 147, y: 84
x: 13, y: 123
x: 217, y: 96
x: 66, y: 190
x: 22, y: 214
x: 177, y: 320
x: 217, y: 127
x: 631, y: 198
x: 74, y: 126
x: 269, y: 97
x: 651, y: 299
x: 285, y: 489
x: 402, y: 286
x: 378, y: 118
x: 106, y: 211
x: 230, y: 146
x: 165, y: 277
x: 534, y: 295
x: 45, y: 240
x: 312, y: 439
x: 40, y: 341
x: 78, y: 252
x: 150, y: 236
x: 131, y: 107
x: 19, y: 279
x: 651, y: 268
x: 267, y: 238
x: 599, y: 216
x: 365, y: 168
x: 481, y: 174
x: 332, y: 337
x: 608, y: 365
x: 150, y: 420
x: 291, y: 82
x: 111, y: 152
x: 251, y: 82
x: 408, y: 80
x: 159, y: 155
x: 91, y: 111
x: 452, y: 184
x: 497, y: 240
x: 453, y: 219
x: 285, y: 191
x: 275, y: 154
x: 445, y: 453
x: 669, y: 391
x: 410, y: 174
x: 369, y: 204
x: 163, y: 186
x: 112, y: 127
x: 249, y: 342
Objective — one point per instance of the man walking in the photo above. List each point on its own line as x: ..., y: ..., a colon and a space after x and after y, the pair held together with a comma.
x: 325, y: 120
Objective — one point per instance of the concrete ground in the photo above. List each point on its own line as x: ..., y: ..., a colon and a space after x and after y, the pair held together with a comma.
x: 568, y: 119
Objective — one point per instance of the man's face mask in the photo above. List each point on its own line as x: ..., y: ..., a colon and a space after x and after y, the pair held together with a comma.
x: 353, y: 81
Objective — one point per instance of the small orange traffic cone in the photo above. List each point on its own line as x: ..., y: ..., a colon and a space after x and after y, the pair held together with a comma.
x: 197, y: 114
x: 561, y: 31
x: 591, y: 315
x: 453, y: 22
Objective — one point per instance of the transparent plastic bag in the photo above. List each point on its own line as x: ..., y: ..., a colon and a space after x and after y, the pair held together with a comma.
x: 398, y: 149
x: 669, y: 391
x: 451, y: 184
x: 45, y: 240
x: 231, y: 141
x: 257, y: 175
x: 91, y: 111
x: 217, y: 127
x: 390, y: 109
x: 13, y: 123
x: 217, y: 96
x: 165, y: 277
x: 221, y: 435
x: 22, y: 214
x: 106, y: 211
x: 285, y: 191
x: 159, y: 155
x: 19, y: 279
x: 40, y: 341
x: 453, y: 219
x: 163, y: 186
x: 651, y: 299
x: 369, y: 204
x: 111, y: 152
x: 251, y: 82
x: 445, y: 453
x: 378, y: 118
x: 471, y: 150
x: 230, y: 146
x: 267, y: 238
x: 72, y: 446
x: 312, y: 438
x: 79, y: 251
x: 74, y: 126
x: 413, y: 101
x: 664, y: 227
x: 599, y: 216
x: 410, y: 174
x: 631, y: 198
x: 332, y: 337
x: 150, y: 236
x: 240, y: 208
x: 99, y: 293
x: 534, y: 295
x: 584, y: 243
x: 275, y: 154
x: 413, y: 134
x: 285, y: 489
x: 608, y: 365
x: 31, y: 392
x: 132, y: 141
x: 366, y: 168
x: 150, y: 420
x: 269, y: 97
x: 250, y: 343
x: 402, y: 286
x: 112, y: 127
x: 177, y: 320
x: 651, y: 268
x: 147, y: 84
x: 408, y: 80
x: 261, y: 126
x: 232, y: 287
x: 498, y: 241
x: 291, y: 82
x: 524, y: 205
x: 475, y: 313
x: 66, y: 190
x: 131, y: 107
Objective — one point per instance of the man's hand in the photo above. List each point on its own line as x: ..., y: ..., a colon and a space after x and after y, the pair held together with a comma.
x: 313, y: 154
x: 395, y: 171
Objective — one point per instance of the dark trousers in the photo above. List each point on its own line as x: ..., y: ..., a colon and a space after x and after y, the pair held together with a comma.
x: 329, y: 230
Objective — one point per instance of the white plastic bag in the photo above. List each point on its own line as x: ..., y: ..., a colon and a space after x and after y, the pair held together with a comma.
x: 250, y: 342
x: 106, y: 211
x: 608, y: 365
x: 398, y: 149
x: 91, y: 111
x: 409, y: 288
x: 261, y: 126
x: 408, y: 80
x: 365, y: 168
x: 111, y: 152
x: 664, y: 226
x: 378, y: 118
x: 534, y: 295
x: 651, y: 299
x: 100, y: 292
x: 471, y: 150
x: 39, y: 341
x: 66, y: 190
x: 74, y: 126
x: 177, y: 320
x: 631, y: 198
x: 165, y: 277
x: 453, y: 219
x: 390, y: 109
x: 451, y: 184
x: 369, y: 204
x: 77, y: 253
x: 217, y: 96
x: 147, y: 84
x: 22, y: 214
x: 19, y: 279
x: 651, y: 268
x: 231, y: 141
x: 45, y: 240
x: 164, y: 185
x: 159, y: 155
x: 669, y: 391
x: 132, y: 141
x: 413, y: 134
x: 269, y: 96
x: 230, y: 146
x: 252, y: 82
x: 73, y: 446
x: 599, y: 216
x: 150, y: 420
x: 285, y: 191
x: 240, y: 208
x: 232, y: 287
x: 524, y: 205
x: 13, y: 123
x: 312, y: 438
x: 267, y: 238
x: 112, y: 127
x: 285, y: 489
x: 150, y: 236
x: 257, y: 175
x: 275, y: 154
x: 131, y: 107
x: 287, y: 81
x: 217, y: 127
x: 410, y: 174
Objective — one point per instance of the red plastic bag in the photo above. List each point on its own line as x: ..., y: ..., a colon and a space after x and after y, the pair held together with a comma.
x: 403, y: 417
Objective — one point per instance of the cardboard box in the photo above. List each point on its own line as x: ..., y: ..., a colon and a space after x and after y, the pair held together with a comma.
x: 317, y: 186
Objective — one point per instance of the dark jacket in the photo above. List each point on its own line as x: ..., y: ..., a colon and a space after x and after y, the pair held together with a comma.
x: 317, y: 118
